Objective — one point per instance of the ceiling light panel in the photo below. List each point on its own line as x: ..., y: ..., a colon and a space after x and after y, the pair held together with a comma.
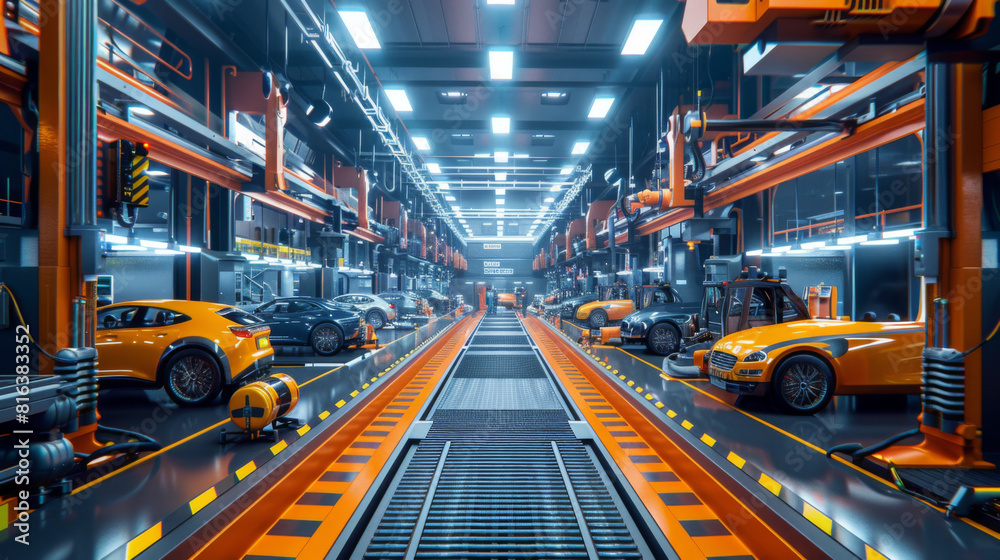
x: 421, y: 143
x: 361, y: 30
x: 501, y: 157
x: 400, y: 102
x: 501, y: 125
x: 580, y: 148
x: 500, y: 176
x: 600, y: 108
x: 433, y: 168
x: 642, y: 34
x: 501, y: 65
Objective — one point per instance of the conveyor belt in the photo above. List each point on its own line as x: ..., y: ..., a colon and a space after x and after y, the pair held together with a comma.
x: 501, y: 473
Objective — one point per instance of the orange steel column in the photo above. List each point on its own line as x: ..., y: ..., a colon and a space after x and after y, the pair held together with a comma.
x: 959, y: 281
x: 58, y: 258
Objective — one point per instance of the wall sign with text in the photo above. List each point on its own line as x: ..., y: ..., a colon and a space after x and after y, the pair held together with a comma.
x: 495, y: 268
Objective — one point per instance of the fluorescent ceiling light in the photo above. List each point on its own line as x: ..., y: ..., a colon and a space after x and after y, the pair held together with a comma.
x: 550, y: 199
x: 450, y: 198
x: 501, y: 192
x: 500, y: 202
x: 399, y: 101
x: 421, y: 143
x: 501, y: 157
x: 852, y: 240
x: 758, y: 159
x: 141, y: 111
x: 157, y: 173
x: 784, y: 150
x: 456, y: 209
x: 444, y: 186
x: 642, y: 34
x: 462, y: 222
x: 500, y: 223
x: 893, y: 241
x: 500, y: 176
x: 580, y: 148
x: 566, y: 171
x: 898, y: 233
x: 501, y: 65
x: 152, y: 244
x: 361, y: 30
x: 501, y: 125
x: 536, y: 222
x: 600, y: 108
x: 556, y: 188
x: 433, y: 168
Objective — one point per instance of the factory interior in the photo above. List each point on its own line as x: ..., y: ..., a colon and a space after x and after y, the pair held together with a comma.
x: 499, y: 279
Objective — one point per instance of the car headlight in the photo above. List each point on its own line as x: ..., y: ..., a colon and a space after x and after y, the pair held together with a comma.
x: 758, y: 356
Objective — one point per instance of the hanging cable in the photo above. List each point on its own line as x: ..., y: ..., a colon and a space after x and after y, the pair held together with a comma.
x: 24, y: 323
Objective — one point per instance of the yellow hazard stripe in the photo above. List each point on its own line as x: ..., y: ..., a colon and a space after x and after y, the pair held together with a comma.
x: 143, y: 541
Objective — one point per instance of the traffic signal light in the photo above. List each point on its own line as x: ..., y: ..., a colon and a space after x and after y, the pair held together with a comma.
x: 129, y: 172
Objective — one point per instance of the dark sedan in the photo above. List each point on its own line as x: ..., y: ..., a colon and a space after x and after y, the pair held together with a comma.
x: 405, y: 303
x: 310, y: 321
x: 661, y: 327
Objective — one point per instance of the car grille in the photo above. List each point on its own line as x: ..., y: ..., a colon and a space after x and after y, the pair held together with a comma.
x: 723, y: 361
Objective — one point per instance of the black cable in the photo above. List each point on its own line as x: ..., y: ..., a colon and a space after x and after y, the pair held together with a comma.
x: 118, y: 431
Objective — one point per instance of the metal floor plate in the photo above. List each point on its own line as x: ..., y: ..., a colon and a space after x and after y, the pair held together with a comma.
x: 499, y: 394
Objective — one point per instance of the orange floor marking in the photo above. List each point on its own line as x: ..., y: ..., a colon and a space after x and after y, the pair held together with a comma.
x: 337, y: 516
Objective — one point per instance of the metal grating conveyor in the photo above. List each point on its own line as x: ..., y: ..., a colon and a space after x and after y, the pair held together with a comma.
x: 501, y: 474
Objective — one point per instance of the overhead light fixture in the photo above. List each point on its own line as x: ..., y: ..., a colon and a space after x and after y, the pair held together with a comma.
x: 580, y: 148
x: 141, y: 111
x: 500, y: 224
x: 852, y: 240
x: 898, y: 233
x: 461, y: 221
x: 566, y: 171
x: 444, y: 186
x: 555, y: 98
x: 501, y: 192
x: 500, y: 176
x: 421, y: 143
x: 501, y: 125
x: 783, y: 150
x: 758, y: 159
x: 642, y: 34
x: 157, y: 173
x: 319, y: 112
x: 600, y: 108
x: 361, y: 30
x: 433, y: 168
x: 556, y: 188
x: 550, y: 199
x: 893, y: 241
x: 500, y: 201
x: 450, y: 198
x: 400, y: 102
x: 501, y: 65
x: 501, y: 157
x: 455, y: 209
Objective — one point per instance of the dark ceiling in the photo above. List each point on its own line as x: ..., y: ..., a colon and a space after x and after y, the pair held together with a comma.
x: 432, y: 47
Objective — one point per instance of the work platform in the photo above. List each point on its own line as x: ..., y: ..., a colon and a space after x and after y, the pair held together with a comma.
x: 497, y: 436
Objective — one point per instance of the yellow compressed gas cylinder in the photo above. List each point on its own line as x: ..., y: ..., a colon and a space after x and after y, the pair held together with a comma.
x: 254, y: 406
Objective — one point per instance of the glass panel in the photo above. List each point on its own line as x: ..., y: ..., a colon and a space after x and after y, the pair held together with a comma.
x: 115, y: 317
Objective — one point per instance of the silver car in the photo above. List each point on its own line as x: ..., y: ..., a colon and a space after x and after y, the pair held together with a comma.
x: 378, y: 312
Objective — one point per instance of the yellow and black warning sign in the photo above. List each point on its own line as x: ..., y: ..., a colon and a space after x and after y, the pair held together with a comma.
x: 138, y: 194
x: 130, y: 166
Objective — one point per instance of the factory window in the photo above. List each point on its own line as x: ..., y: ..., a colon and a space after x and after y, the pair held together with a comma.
x: 889, y: 186
x: 810, y: 207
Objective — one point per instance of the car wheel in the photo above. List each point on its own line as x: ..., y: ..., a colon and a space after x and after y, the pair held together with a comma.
x: 802, y: 385
x: 326, y: 340
x: 192, y: 378
x: 663, y: 339
x: 598, y: 319
x: 375, y: 319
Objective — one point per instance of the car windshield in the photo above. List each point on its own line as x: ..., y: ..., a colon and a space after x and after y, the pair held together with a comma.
x: 239, y: 316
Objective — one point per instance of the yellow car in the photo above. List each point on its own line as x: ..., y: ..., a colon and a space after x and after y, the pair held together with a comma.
x: 614, y: 304
x: 801, y: 364
x: 190, y: 348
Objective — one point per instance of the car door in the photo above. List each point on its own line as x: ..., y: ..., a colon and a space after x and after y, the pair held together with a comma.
x: 155, y: 330
x: 115, y: 339
x: 302, y: 317
x: 275, y: 314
